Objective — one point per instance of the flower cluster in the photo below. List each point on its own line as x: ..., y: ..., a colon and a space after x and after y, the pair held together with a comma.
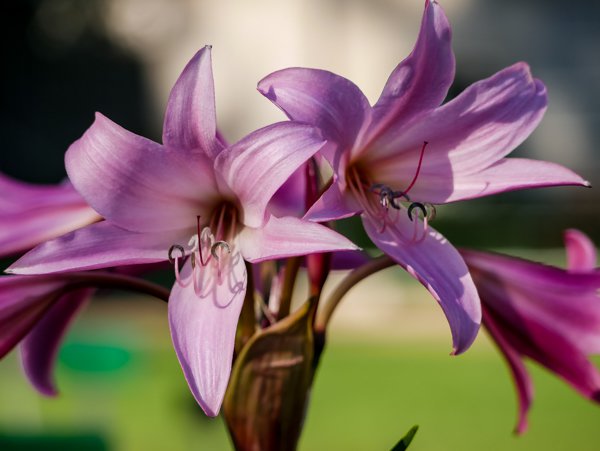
x: 236, y: 221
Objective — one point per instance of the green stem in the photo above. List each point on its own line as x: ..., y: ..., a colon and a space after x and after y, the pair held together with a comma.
x: 373, y: 266
x: 287, y: 290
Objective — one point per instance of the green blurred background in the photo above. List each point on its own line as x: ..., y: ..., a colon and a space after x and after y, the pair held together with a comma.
x: 387, y: 365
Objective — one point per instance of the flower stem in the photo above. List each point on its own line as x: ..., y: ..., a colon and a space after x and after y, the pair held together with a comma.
x: 114, y: 281
x: 358, y: 274
x: 289, y: 280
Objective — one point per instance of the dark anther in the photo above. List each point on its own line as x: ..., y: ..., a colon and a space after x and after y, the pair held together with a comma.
x: 387, y: 197
x: 418, y: 205
x: 213, y: 249
x: 171, y: 249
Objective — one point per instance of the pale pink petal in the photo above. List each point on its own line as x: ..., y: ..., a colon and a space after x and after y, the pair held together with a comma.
x: 321, y: 98
x: 18, y: 196
x: 439, y: 267
x: 190, y: 119
x: 40, y: 346
x: 333, y: 204
x: 422, y: 80
x: 30, y: 214
x: 203, y: 330
x: 581, y: 252
x: 98, y: 245
x: 23, y: 301
x: 22, y: 231
x: 521, y: 379
x: 258, y: 165
x: 138, y: 184
x: 286, y: 237
x: 465, y: 136
x: 508, y: 174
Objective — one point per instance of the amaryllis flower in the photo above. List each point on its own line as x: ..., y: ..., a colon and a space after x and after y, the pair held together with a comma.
x: 35, y: 311
x: 31, y: 214
x: 189, y: 200
x: 394, y: 160
x: 547, y: 314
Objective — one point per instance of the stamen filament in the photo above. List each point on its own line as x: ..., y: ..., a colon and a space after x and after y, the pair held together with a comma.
x: 412, y: 183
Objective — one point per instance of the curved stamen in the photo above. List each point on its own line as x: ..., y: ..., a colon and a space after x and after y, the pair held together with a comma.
x: 418, y: 205
x: 175, y: 261
x: 216, y: 245
x: 412, y: 183
x: 180, y: 249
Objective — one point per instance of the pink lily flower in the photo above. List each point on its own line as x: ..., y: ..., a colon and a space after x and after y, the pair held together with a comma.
x: 408, y: 152
x: 31, y: 214
x: 192, y: 200
x: 545, y: 313
x: 35, y: 311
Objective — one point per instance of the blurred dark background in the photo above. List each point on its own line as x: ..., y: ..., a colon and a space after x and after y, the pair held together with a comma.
x: 65, y: 59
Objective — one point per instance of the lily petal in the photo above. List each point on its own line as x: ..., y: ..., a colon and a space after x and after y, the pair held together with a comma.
x: 19, y: 196
x: 203, y: 331
x: 136, y: 183
x: 290, y: 198
x: 421, y: 81
x: 561, y: 301
x: 30, y: 214
x: 581, y: 252
x: 258, y: 165
x: 541, y: 325
x: 23, y: 301
x: 40, y: 346
x: 25, y: 230
x: 190, y: 119
x: 508, y: 174
x: 344, y: 260
x: 439, y: 267
x: 467, y: 135
x: 521, y: 378
x: 332, y: 103
x: 287, y: 237
x: 99, y: 245
x: 333, y: 204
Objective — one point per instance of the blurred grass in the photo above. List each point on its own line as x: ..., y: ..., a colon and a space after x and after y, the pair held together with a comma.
x: 122, y: 388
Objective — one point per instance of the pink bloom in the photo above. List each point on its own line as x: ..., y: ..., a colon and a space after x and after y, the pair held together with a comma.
x: 545, y: 313
x: 35, y: 311
x: 31, y: 214
x: 409, y: 152
x: 192, y: 200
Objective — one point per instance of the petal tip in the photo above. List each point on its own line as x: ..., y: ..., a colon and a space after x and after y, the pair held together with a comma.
x: 49, y: 392
x: 210, y: 410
